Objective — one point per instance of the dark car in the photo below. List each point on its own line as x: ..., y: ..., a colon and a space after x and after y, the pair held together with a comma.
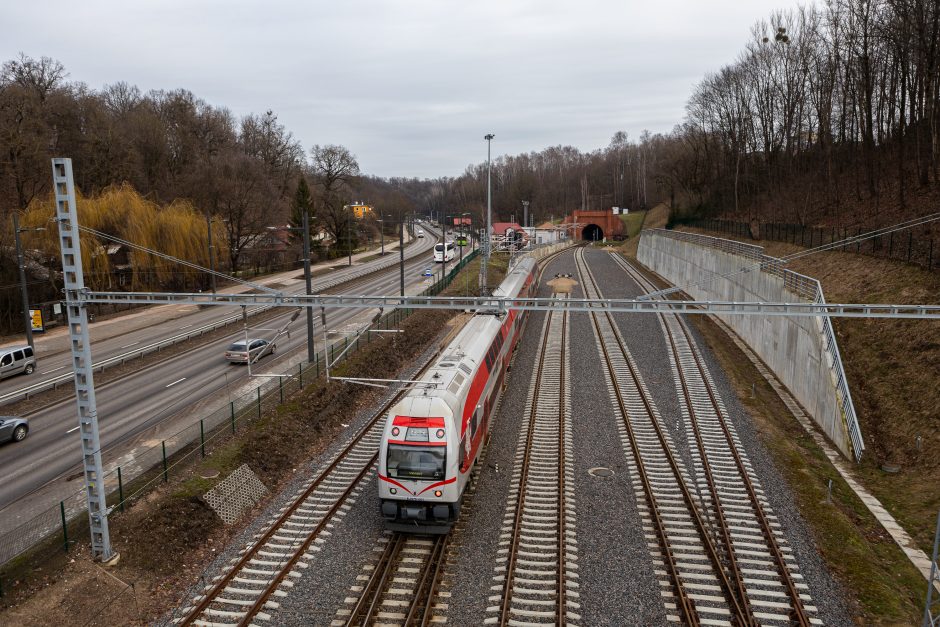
x: 239, y: 351
x: 13, y: 428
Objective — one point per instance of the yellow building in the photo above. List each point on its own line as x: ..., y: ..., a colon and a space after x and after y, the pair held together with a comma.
x: 360, y: 210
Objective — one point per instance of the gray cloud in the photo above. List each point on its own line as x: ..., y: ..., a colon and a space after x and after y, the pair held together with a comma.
x: 410, y: 86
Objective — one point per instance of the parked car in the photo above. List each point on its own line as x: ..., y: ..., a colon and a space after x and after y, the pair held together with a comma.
x: 241, y: 351
x: 16, y: 359
x: 13, y: 428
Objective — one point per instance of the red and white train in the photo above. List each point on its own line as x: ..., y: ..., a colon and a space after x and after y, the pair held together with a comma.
x: 433, y: 436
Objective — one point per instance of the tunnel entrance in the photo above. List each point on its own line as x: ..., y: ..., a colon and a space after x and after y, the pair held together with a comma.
x: 592, y: 233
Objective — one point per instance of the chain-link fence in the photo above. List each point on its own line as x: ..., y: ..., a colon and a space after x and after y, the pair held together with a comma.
x: 128, y: 479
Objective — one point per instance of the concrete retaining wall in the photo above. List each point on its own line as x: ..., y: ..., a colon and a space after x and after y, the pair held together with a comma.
x: 795, y: 349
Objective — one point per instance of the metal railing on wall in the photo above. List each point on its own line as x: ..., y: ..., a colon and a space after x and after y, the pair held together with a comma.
x: 804, y: 287
x: 916, y: 246
x: 60, y: 526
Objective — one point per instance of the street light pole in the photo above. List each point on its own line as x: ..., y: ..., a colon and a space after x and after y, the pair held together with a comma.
x: 349, y: 237
x: 382, y: 233
x: 489, y: 218
x: 525, y: 214
x: 311, y: 349
x: 211, y: 255
x: 401, y: 253
x: 444, y: 243
x: 27, y: 321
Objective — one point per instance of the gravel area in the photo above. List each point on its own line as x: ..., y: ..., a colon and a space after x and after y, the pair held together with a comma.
x: 317, y: 595
x: 828, y: 595
x: 618, y: 585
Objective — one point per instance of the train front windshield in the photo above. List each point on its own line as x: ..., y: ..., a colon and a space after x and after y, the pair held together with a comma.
x: 416, y: 462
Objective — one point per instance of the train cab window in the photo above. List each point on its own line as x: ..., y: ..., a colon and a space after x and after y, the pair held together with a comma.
x: 416, y: 462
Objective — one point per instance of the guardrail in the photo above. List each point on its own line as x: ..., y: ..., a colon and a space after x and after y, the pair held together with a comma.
x: 319, y: 286
x: 805, y: 287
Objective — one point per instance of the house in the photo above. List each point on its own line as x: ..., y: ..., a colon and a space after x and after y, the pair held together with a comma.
x: 360, y: 209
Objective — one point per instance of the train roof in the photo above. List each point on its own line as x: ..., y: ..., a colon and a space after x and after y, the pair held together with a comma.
x: 461, y: 358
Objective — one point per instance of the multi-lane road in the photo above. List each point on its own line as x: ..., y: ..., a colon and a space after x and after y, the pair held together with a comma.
x: 131, y: 405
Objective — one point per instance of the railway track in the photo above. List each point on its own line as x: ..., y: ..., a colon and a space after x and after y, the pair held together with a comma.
x: 689, y: 560
x: 401, y: 588
x: 537, y: 581
x: 268, y: 565
x: 757, y: 554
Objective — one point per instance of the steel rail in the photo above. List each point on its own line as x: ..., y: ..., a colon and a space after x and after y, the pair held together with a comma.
x: 422, y: 605
x: 723, y: 527
x: 368, y: 604
x: 562, y: 540
x: 690, y: 614
x: 798, y: 613
x: 520, y: 502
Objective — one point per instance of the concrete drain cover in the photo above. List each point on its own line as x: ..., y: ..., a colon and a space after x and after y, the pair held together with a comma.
x: 600, y: 471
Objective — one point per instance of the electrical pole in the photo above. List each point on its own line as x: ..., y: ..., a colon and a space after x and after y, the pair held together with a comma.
x: 80, y: 341
x: 484, y: 289
x: 349, y: 237
x: 401, y: 254
x: 27, y: 320
x: 525, y: 214
x: 211, y: 255
x: 311, y: 349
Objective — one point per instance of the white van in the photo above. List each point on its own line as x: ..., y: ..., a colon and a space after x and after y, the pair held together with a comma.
x: 16, y: 359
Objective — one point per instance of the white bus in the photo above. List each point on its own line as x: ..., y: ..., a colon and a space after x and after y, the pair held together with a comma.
x: 444, y: 252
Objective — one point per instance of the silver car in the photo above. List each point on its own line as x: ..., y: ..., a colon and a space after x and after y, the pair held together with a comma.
x: 241, y: 351
x: 13, y: 428
x: 16, y: 359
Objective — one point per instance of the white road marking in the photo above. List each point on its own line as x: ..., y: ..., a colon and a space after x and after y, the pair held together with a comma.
x: 186, y: 327
x: 54, y: 369
x: 129, y: 345
x: 72, y: 429
x: 175, y: 382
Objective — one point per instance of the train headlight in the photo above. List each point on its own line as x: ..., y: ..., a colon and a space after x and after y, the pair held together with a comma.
x: 395, y: 431
x: 440, y: 433
x: 393, y: 490
x: 438, y: 493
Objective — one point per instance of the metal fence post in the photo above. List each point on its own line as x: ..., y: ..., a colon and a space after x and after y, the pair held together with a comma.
x: 166, y: 476
x: 280, y: 384
x: 202, y: 437
x: 232, y: 410
x: 300, y: 373
x: 120, y: 490
x: 258, y: 390
x: 65, y: 526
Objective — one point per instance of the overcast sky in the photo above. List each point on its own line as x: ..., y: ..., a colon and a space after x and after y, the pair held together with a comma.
x: 409, y: 86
